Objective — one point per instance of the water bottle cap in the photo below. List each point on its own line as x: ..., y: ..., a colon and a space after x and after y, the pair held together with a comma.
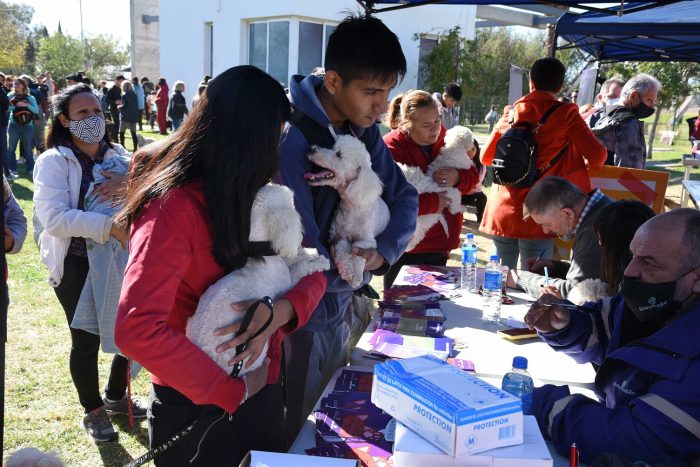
x: 470, y: 236
x: 520, y: 362
x: 494, y: 258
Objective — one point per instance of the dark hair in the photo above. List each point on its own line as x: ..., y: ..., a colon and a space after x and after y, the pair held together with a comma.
x: 201, y: 89
x: 119, y: 77
x: 547, y: 74
x: 77, y: 77
x: 161, y: 81
x: 615, y: 227
x: 454, y: 91
x: 58, y: 134
x: 135, y: 80
x: 231, y: 142
x: 362, y: 47
x: 477, y: 157
x: 144, y: 79
x: 206, y: 78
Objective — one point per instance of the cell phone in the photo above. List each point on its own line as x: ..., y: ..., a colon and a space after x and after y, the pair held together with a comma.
x: 517, y: 333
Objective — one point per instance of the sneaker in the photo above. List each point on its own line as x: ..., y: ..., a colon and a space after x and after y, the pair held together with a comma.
x: 98, y: 426
x: 138, y: 408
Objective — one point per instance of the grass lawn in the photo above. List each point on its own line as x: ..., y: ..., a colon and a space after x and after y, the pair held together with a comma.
x: 41, y: 406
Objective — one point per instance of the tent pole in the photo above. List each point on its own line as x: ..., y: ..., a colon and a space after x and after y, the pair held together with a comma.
x: 551, y: 44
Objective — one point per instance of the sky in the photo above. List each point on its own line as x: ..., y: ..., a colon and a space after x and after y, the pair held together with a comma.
x: 99, y: 17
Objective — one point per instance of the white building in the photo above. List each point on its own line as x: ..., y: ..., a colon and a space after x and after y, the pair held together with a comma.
x: 282, y: 37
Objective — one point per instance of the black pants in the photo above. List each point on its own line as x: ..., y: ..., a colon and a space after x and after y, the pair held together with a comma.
x: 140, y: 120
x: 434, y: 259
x: 478, y: 200
x: 258, y: 424
x: 114, y: 113
x: 85, y: 345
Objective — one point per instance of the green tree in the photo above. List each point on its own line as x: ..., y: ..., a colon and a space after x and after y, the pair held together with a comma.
x: 14, y: 31
x: 59, y: 54
x: 481, y: 65
x: 105, y: 56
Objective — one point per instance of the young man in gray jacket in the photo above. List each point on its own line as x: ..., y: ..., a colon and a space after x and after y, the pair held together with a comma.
x: 561, y: 208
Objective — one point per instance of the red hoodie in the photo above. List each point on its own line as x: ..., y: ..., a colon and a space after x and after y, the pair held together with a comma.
x: 406, y: 151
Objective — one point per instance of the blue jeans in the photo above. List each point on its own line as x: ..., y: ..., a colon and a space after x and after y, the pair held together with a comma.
x: 176, y: 123
x: 508, y: 250
x: 25, y: 133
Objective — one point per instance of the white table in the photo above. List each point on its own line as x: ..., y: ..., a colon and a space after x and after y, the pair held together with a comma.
x: 492, y: 355
x: 307, y: 436
x: 688, y: 163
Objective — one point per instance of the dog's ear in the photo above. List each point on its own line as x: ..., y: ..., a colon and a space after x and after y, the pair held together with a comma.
x: 367, y: 186
x: 282, y: 221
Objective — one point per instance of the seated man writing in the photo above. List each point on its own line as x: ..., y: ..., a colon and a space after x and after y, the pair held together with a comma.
x: 645, y: 341
x: 561, y: 208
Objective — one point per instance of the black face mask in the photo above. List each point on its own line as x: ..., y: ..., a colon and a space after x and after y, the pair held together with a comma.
x: 642, y: 110
x: 650, y: 302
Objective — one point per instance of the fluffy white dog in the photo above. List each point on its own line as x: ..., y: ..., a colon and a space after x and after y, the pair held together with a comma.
x: 361, y: 214
x: 458, y: 140
x: 590, y: 290
x: 274, y: 219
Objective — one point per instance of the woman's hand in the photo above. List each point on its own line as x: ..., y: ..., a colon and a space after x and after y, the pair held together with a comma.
x: 120, y: 234
x: 373, y: 260
x: 444, y: 201
x: 9, y: 239
x: 256, y: 379
x: 282, y: 314
x: 446, y: 176
x: 114, y: 188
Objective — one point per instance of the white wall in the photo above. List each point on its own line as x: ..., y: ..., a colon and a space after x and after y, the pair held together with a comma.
x: 182, y: 31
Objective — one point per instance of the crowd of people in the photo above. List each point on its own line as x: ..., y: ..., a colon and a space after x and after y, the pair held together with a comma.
x: 26, y: 105
x: 173, y: 218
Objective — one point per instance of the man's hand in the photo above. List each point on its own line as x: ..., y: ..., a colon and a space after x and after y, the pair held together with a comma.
x: 9, y: 239
x: 114, y: 188
x: 545, y: 316
x: 551, y: 290
x: 256, y: 379
x: 537, y: 265
x: 512, y: 279
x: 373, y: 260
x: 282, y: 314
x: 446, y: 176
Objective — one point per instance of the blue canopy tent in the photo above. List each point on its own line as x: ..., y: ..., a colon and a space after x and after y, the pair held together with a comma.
x: 623, y: 6
x: 666, y: 33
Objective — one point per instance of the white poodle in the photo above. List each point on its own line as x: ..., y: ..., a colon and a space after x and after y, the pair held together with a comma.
x: 590, y: 290
x: 458, y: 140
x: 361, y: 214
x: 32, y: 457
x: 273, y: 219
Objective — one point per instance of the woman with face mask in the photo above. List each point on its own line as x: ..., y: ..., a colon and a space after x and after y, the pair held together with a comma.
x: 77, y: 141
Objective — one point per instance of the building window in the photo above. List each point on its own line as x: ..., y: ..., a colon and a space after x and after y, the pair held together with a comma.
x: 310, y: 47
x: 268, y: 48
x: 209, y: 49
x: 426, y: 48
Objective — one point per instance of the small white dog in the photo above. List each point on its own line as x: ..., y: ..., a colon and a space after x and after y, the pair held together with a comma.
x: 590, y: 290
x: 274, y: 219
x: 458, y: 140
x: 32, y: 457
x: 361, y: 214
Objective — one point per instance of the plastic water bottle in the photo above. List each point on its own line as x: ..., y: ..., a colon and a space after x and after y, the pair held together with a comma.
x: 492, y: 291
x: 519, y: 383
x: 467, y: 279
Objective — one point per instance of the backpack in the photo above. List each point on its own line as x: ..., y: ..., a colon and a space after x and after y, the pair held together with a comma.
x: 515, y: 160
x: 21, y: 115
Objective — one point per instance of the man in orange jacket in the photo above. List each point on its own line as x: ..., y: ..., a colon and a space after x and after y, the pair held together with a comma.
x: 566, y: 131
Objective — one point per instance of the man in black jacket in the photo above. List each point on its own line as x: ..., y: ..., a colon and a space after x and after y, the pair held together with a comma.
x: 114, y: 100
x: 4, y: 121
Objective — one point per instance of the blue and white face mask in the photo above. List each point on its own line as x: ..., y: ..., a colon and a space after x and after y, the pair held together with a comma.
x: 89, y: 130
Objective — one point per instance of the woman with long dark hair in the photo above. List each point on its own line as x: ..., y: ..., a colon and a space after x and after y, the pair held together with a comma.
x: 615, y: 227
x: 188, y: 207
x: 77, y: 141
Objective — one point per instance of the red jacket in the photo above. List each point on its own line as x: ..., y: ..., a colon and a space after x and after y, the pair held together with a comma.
x: 162, y: 96
x: 170, y: 266
x: 404, y: 150
x: 504, y: 210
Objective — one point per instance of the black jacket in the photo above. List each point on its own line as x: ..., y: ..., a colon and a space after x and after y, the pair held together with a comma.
x: 4, y: 108
x: 178, y: 106
x: 129, y: 110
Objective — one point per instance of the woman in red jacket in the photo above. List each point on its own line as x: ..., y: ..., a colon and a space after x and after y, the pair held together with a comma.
x: 188, y: 206
x: 415, y: 140
x: 162, y: 105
